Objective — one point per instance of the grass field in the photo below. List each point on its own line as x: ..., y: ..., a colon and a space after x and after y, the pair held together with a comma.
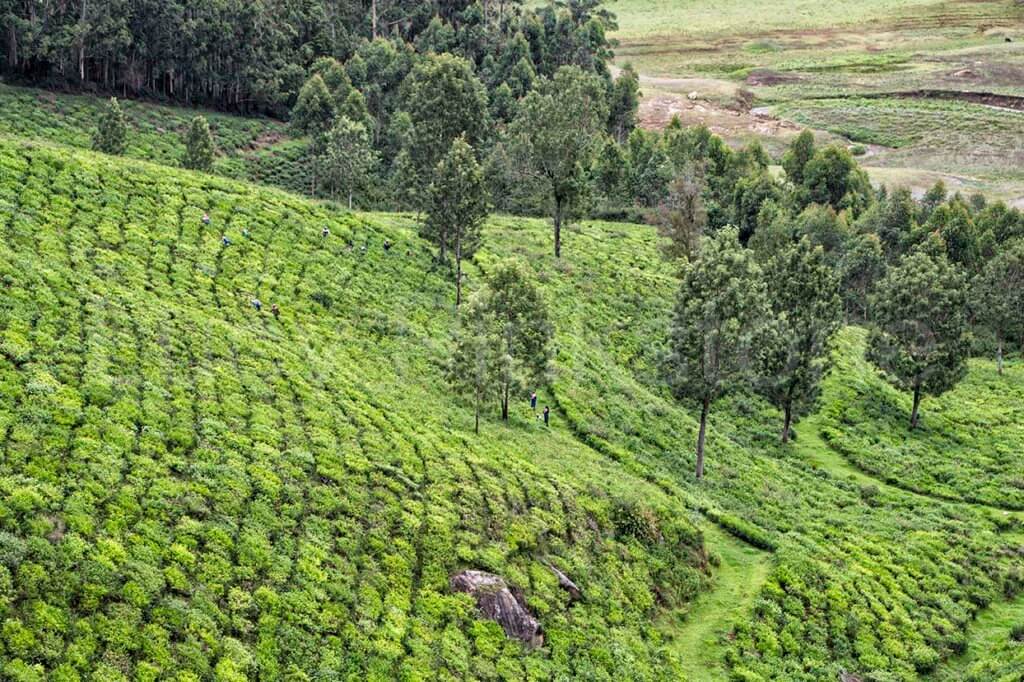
x: 814, y: 62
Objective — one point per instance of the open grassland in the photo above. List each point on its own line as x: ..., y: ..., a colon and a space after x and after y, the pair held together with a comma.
x: 816, y: 63
x: 189, y: 485
x: 253, y: 149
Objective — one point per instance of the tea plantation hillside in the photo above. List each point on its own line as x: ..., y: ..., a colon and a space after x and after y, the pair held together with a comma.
x: 253, y: 149
x: 193, y: 489
x: 190, y: 489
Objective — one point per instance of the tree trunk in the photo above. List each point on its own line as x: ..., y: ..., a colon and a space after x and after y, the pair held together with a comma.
x: 558, y: 228
x: 476, y: 426
x: 458, y: 268
x: 81, y: 44
x: 373, y: 18
x: 700, y: 436
x: 999, y: 355
x: 12, y: 47
x: 504, y: 403
x: 350, y: 200
x: 917, y: 406
x: 788, y: 409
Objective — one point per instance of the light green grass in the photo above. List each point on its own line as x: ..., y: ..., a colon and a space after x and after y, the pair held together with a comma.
x: 698, y: 635
x: 644, y: 19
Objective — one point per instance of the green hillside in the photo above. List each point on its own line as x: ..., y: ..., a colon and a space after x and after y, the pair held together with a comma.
x: 191, y: 489
x: 253, y: 149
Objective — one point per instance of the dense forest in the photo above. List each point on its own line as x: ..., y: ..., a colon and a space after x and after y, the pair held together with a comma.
x: 254, y: 56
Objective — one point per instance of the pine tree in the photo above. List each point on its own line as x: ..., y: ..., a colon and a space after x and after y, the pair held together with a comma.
x: 806, y: 313
x: 111, y: 133
x: 920, y: 337
x: 456, y: 207
x: 199, y: 148
x: 719, y: 310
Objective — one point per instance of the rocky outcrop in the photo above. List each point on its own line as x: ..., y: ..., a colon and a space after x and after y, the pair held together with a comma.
x: 575, y: 594
x: 496, y: 602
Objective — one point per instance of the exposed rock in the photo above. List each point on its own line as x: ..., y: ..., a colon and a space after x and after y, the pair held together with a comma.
x: 496, y: 602
x: 693, y: 95
x: 848, y: 677
x: 569, y: 586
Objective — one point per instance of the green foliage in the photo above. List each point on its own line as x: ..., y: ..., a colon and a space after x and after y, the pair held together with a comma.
x: 253, y: 149
x: 456, y: 207
x: 445, y: 100
x: 195, y: 490
x: 557, y: 134
x: 347, y: 159
x: 806, y: 312
x: 111, y: 130
x: 921, y: 339
x: 997, y: 294
x: 719, y: 309
x: 798, y: 156
x: 199, y: 149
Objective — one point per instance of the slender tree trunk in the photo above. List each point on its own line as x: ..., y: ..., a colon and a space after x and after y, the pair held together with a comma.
x: 788, y: 409
x: 81, y: 44
x: 12, y: 47
x: 458, y: 268
x: 504, y: 403
x: 700, y: 436
x: 350, y: 200
x: 476, y: 426
x: 373, y: 18
x: 917, y: 406
x: 999, y: 355
x: 558, y: 228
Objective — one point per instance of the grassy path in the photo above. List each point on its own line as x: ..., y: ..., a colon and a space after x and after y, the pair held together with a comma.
x: 987, y: 633
x: 696, y: 635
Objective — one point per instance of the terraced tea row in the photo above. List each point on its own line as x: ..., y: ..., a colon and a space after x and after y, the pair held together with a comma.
x: 192, y: 486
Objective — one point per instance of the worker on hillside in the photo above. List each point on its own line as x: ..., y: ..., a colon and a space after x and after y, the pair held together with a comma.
x: 547, y: 414
x: 533, y: 401
x: 206, y: 219
x: 325, y: 233
x: 245, y: 232
x: 225, y: 241
x: 257, y: 304
x: 275, y: 311
x: 387, y: 244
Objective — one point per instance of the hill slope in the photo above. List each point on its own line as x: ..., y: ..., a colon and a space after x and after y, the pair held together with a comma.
x: 189, y: 485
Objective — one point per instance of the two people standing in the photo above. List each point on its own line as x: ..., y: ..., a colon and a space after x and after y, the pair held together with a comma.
x: 533, y: 406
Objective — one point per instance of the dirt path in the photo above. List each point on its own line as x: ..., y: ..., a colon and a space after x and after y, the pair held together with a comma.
x: 699, y: 639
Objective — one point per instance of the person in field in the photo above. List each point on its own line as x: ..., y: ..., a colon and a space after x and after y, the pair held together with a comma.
x: 533, y: 401
x: 257, y: 304
x: 275, y: 311
x: 325, y: 233
x: 206, y: 219
x: 547, y: 414
x: 225, y: 241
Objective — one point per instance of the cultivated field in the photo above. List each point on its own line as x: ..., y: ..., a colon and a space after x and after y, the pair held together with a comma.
x: 765, y: 70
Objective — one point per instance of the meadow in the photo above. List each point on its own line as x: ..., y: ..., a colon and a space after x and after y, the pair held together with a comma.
x: 765, y: 70
x: 193, y: 489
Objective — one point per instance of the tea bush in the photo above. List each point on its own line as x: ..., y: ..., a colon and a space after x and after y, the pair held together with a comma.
x: 193, y: 489
x: 254, y: 149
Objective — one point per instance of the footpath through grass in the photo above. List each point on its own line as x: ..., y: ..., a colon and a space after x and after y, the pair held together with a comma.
x: 699, y: 633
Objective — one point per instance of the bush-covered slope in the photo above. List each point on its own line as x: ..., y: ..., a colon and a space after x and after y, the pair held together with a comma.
x: 189, y: 485
x: 190, y: 489
x: 873, y: 581
x: 254, y: 149
x: 968, y: 446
